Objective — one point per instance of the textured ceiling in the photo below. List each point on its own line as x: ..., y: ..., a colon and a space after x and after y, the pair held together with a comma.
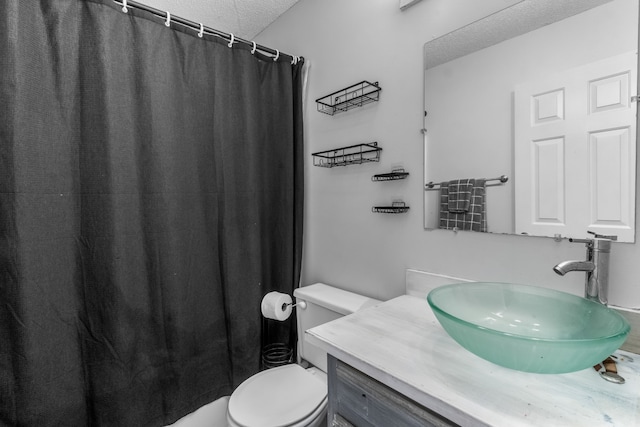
x: 243, y: 18
x: 522, y: 17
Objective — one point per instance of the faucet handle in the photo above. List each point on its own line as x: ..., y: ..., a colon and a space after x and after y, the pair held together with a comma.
x: 588, y: 242
x: 602, y: 236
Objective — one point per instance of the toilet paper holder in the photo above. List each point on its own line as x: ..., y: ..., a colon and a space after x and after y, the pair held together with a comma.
x: 301, y: 304
x: 278, y: 306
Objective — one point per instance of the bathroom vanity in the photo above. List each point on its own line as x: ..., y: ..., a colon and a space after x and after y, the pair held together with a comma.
x: 395, y: 362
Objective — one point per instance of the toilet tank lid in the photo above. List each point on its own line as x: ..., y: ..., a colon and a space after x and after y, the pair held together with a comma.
x: 338, y: 300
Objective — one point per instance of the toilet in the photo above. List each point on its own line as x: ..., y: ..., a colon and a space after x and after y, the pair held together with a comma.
x: 292, y: 395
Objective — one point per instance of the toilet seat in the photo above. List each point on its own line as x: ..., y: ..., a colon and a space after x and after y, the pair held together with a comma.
x: 287, y: 396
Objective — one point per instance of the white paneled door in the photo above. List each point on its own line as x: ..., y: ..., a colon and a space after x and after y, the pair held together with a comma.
x: 575, y: 151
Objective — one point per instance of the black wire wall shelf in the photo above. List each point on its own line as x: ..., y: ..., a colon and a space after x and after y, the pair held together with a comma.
x: 350, y: 97
x: 395, y: 208
x: 394, y: 175
x: 351, y: 155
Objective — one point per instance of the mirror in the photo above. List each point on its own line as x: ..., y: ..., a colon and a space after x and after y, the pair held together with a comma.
x: 544, y: 93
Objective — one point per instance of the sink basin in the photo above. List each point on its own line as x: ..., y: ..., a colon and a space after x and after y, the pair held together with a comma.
x: 528, y: 328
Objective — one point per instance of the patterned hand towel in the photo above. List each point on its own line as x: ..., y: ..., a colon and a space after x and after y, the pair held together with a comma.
x: 472, y: 220
x: 460, y: 195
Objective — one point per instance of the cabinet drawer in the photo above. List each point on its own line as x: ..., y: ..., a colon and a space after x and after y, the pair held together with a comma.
x: 365, y: 402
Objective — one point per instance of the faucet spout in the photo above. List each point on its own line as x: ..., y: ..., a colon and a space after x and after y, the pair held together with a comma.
x: 566, y: 266
x: 596, y: 267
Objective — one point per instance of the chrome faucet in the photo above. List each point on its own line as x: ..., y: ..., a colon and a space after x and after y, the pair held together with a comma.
x: 596, y: 267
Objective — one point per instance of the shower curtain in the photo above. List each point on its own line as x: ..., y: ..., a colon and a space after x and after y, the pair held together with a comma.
x: 150, y: 195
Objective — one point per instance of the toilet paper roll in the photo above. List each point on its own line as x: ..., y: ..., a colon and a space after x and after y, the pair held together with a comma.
x: 276, y: 306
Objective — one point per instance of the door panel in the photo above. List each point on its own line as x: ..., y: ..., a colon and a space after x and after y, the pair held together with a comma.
x: 575, y: 151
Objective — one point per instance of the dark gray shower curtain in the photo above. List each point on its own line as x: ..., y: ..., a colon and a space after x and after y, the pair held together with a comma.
x: 150, y: 195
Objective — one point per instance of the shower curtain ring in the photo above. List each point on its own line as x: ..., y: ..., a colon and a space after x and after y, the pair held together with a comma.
x: 124, y: 6
x: 201, y: 32
x: 275, y: 58
x: 253, y: 50
x: 231, y: 42
x: 168, y: 21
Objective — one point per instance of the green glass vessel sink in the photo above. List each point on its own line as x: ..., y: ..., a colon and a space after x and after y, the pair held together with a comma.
x: 528, y: 328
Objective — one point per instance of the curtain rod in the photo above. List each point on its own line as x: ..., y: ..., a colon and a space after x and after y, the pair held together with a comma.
x: 200, y: 29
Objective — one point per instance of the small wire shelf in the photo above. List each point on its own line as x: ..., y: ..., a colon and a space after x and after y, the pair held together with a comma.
x: 395, y: 208
x: 350, y: 97
x: 351, y: 155
x: 392, y: 176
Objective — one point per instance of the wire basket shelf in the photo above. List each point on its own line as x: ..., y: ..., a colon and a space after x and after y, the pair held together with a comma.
x: 395, y: 208
x: 394, y: 175
x: 351, y: 155
x: 350, y: 97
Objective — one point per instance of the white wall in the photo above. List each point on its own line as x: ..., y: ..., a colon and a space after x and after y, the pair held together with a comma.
x: 347, y: 245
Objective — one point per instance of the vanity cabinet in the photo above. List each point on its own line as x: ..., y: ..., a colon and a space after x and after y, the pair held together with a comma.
x: 357, y: 400
x: 393, y: 365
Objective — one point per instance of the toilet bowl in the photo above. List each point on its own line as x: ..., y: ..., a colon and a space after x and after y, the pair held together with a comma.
x: 290, y: 395
x: 286, y: 396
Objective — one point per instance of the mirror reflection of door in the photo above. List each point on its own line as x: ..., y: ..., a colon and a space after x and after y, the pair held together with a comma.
x: 574, y: 151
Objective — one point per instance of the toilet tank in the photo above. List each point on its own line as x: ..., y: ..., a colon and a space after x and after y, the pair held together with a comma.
x: 324, y: 304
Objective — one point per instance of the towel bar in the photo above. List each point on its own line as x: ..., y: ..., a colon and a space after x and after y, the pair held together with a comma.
x: 436, y: 185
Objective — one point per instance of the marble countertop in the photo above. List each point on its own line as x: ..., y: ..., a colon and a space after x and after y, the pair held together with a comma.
x: 401, y: 344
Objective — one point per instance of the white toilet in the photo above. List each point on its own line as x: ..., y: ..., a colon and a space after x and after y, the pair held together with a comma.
x: 290, y: 395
